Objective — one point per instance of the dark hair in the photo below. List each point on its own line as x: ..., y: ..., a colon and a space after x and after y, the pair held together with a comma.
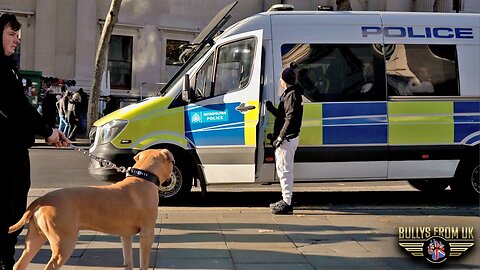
x: 289, y: 75
x: 9, y: 20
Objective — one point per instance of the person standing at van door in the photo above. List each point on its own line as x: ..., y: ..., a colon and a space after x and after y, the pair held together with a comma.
x: 20, y: 122
x: 286, y: 131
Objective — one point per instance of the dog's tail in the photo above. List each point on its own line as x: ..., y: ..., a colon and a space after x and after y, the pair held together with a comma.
x: 25, y: 218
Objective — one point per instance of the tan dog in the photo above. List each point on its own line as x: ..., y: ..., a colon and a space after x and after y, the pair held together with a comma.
x: 125, y: 208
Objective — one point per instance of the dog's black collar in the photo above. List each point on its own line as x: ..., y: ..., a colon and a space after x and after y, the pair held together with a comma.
x: 144, y: 175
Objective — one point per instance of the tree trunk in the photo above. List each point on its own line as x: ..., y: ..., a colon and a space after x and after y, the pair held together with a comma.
x: 110, y: 21
x: 344, y: 5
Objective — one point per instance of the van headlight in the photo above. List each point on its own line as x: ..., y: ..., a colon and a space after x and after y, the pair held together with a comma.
x: 92, y: 134
x: 110, y: 130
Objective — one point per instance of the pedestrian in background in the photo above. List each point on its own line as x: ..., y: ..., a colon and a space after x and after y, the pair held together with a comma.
x: 110, y: 105
x: 286, y: 131
x: 62, y: 109
x: 73, y: 116
x: 49, y: 110
x: 83, y: 110
x: 20, y: 122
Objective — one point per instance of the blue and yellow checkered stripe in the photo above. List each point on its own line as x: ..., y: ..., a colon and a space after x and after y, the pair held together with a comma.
x: 395, y: 123
x: 344, y: 123
x: 433, y: 122
x: 220, y: 124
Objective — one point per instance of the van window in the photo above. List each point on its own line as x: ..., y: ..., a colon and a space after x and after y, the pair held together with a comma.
x: 338, y: 72
x: 234, y: 66
x: 203, y: 80
x: 421, y: 70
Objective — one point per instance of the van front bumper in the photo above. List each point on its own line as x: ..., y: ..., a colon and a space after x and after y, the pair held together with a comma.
x: 119, y: 157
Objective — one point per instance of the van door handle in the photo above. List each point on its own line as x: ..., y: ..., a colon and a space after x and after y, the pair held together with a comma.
x: 243, y: 108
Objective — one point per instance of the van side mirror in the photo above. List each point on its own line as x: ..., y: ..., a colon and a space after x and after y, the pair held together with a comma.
x: 188, y: 95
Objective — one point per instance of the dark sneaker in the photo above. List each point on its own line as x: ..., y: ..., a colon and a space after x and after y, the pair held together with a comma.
x: 281, y: 208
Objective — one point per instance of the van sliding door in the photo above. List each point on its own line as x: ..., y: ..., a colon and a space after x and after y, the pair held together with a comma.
x: 344, y: 130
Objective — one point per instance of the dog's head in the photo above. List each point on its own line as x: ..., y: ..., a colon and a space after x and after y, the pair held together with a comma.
x: 157, y: 161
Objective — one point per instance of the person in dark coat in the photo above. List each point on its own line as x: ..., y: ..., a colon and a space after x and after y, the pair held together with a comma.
x: 73, y: 116
x: 83, y: 110
x: 110, y: 105
x: 285, y: 139
x: 49, y: 109
x: 19, y: 122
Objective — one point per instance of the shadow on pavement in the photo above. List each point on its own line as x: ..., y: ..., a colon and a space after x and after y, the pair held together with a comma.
x: 368, y: 202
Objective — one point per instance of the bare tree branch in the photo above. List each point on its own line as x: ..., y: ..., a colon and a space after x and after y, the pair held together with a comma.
x: 110, y: 21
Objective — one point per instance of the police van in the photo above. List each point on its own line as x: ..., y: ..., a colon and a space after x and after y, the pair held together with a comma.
x: 387, y: 96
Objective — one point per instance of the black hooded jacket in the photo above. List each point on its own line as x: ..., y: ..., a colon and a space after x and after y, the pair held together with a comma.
x: 19, y: 120
x: 288, y: 115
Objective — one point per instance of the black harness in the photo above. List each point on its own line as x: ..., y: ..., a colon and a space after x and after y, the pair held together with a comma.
x: 144, y: 175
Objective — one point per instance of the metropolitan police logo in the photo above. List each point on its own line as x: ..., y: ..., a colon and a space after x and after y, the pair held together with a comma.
x: 196, y: 118
x: 436, y: 244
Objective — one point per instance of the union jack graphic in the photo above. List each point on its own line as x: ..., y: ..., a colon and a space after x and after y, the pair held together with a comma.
x: 436, y: 249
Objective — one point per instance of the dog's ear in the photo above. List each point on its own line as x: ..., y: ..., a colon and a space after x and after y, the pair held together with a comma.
x: 169, y: 155
x: 137, y: 157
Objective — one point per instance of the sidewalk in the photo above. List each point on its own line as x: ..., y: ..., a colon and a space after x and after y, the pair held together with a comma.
x: 244, y: 238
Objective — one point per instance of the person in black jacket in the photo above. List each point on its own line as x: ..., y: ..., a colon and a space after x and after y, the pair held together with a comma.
x: 110, y: 105
x: 19, y: 122
x: 286, y: 129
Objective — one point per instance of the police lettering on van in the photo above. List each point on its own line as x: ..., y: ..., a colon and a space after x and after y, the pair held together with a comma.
x: 418, y: 32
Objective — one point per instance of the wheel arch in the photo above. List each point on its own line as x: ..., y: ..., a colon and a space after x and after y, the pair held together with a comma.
x: 464, y: 183
x: 188, y: 157
x: 471, y: 153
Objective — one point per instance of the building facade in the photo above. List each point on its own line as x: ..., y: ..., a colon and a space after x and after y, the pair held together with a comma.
x: 60, y: 37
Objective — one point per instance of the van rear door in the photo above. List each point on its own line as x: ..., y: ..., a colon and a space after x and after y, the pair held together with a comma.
x: 222, y: 122
x: 342, y: 71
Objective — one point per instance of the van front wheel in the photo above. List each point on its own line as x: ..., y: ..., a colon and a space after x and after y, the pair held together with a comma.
x: 429, y: 185
x: 179, y: 184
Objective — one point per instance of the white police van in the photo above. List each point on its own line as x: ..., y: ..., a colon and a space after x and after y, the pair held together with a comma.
x: 388, y: 95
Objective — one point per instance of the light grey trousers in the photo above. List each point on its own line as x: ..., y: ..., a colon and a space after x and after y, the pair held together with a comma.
x: 284, y: 158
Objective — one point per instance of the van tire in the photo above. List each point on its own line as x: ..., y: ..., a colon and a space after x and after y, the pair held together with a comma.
x: 180, y: 184
x: 429, y: 185
x: 466, y: 181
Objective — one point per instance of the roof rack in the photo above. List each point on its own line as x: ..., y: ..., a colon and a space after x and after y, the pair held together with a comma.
x: 281, y: 7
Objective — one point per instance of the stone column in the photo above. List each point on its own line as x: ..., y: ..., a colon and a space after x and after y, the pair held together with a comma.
x: 87, y: 34
x: 444, y: 6
x: 424, y: 5
x: 45, y: 35
x: 399, y: 5
x: 377, y: 5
